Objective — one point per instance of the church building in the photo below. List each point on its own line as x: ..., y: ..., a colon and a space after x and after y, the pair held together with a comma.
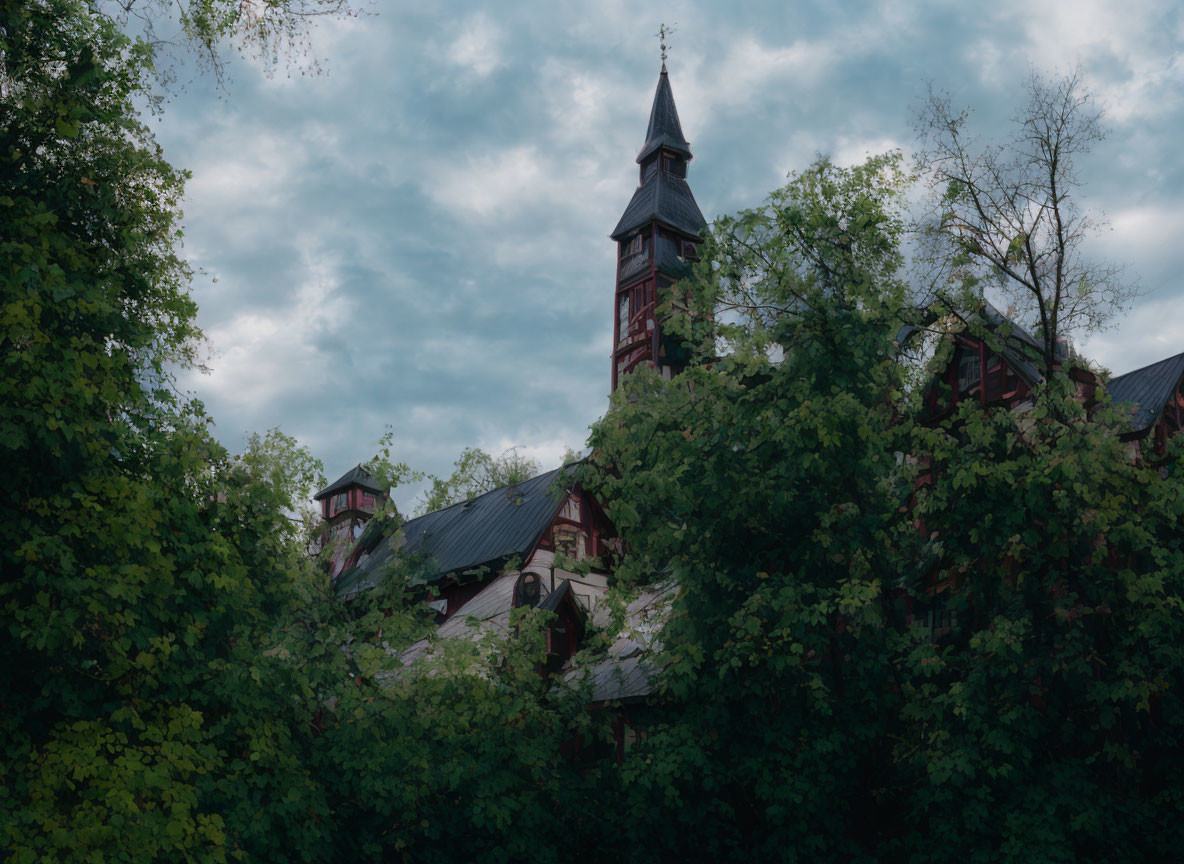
x: 546, y: 542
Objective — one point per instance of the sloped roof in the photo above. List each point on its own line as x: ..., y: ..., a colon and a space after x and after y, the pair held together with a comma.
x: 505, y: 522
x: 664, y: 129
x: 356, y: 476
x: 490, y: 611
x: 627, y: 672
x: 1149, y: 389
x: 1020, y: 348
x: 668, y: 260
x: 662, y: 198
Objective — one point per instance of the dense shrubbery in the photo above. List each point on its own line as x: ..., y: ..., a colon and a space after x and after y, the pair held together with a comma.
x: 180, y: 684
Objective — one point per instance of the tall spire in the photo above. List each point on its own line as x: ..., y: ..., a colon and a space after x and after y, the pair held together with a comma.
x: 663, y: 195
x: 664, y: 129
x: 657, y: 239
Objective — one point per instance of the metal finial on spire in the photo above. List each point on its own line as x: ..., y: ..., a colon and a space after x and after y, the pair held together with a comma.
x: 663, y: 34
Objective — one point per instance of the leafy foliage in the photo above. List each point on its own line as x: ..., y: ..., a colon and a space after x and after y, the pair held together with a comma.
x: 969, y: 652
x: 474, y: 473
x: 1043, y: 714
x: 762, y: 485
x: 889, y: 641
x: 1005, y: 218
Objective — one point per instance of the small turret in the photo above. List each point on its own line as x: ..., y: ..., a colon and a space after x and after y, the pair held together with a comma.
x: 346, y: 505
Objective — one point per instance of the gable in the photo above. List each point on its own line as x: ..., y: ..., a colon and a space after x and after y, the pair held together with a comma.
x: 485, y: 530
x: 1149, y: 389
x: 979, y: 373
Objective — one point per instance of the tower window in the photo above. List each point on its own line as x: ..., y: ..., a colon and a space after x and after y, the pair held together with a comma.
x: 623, y: 316
x: 969, y: 372
x: 632, y: 247
x: 674, y: 166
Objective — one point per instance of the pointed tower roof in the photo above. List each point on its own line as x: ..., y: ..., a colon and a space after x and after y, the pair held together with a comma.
x: 664, y: 129
x: 663, y: 197
x: 356, y: 476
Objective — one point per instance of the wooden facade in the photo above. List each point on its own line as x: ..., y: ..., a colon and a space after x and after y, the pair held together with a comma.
x: 657, y: 240
x: 347, y: 504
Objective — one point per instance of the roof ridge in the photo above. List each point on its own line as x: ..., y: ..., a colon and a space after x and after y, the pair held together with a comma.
x: 1148, y: 366
x: 501, y: 488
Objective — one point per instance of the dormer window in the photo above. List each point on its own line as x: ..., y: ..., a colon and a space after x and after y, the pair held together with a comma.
x: 969, y: 373
x: 674, y: 166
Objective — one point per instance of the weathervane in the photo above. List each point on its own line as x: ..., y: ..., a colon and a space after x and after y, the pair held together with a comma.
x: 663, y: 34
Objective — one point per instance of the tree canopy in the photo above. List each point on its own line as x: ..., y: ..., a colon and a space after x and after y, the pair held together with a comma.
x: 890, y: 640
x: 1007, y: 218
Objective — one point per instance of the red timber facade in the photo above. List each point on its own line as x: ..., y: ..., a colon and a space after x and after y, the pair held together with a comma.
x: 657, y: 239
x: 346, y: 506
x: 1003, y: 369
x: 541, y: 527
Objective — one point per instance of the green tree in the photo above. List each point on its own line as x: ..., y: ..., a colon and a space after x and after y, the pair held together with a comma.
x: 762, y: 482
x: 142, y: 566
x: 890, y: 641
x: 1042, y: 709
x: 474, y: 473
x: 1006, y: 218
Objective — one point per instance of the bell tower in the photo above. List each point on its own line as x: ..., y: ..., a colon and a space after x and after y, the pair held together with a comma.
x: 657, y: 239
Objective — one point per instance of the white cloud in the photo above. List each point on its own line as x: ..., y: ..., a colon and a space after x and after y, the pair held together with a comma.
x: 1150, y: 332
x: 850, y: 151
x: 548, y: 453
x: 1114, y: 43
x: 478, y: 46
x: 490, y: 185
x: 1144, y: 229
x: 261, y: 358
x: 245, y: 166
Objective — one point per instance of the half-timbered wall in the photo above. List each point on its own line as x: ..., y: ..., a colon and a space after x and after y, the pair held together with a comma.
x: 353, y: 499
x: 579, y: 532
x: 976, y: 373
x: 1170, y: 423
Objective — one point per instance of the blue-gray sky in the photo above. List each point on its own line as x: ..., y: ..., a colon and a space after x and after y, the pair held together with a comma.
x: 417, y: 237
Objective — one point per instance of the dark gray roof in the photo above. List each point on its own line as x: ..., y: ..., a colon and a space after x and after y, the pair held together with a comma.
x: 628, y: 671
x: 664, y: 129
x: 489, y: 528
x: 662, y: 198
x: 1149, y: 389
x: 1020, y: 348
x: 669, y: 259
x: 554, y: 600
x: 356, y: 476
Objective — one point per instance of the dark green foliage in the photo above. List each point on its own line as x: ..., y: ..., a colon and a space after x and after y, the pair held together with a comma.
x: 141, y: 564
x: 889, y: 642
x: 959, y: 643
x: 1047, y: 714
x: 763, y: 487
x: 474, y: 473
x: 179, y: 682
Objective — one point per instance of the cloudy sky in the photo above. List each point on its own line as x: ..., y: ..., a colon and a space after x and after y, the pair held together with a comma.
x: 417, y: 237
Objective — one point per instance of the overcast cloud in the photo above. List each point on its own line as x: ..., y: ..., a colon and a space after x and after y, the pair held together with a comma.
x: 418, y: 237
